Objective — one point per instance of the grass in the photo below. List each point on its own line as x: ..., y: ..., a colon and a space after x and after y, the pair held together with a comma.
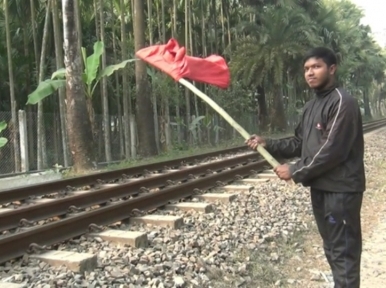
x: 165, y: 156
x: 177, y: 152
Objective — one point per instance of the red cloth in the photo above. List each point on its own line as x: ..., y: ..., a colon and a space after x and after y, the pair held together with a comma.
x: 172, y: 59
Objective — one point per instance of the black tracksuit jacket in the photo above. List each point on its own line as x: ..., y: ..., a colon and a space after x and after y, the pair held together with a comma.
x: 329, y: 141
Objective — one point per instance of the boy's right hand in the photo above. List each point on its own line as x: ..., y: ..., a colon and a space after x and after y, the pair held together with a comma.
x: 255, y: 141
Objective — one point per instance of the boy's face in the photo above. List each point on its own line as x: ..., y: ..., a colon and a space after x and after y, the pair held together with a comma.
x: 317, y: 73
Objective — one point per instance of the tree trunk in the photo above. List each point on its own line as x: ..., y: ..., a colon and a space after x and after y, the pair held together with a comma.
x: 278, y: 117
x: 117, y: 91
x: 26, y: 55
x: 42, y: 155
x: 79, y: 126
x: 366, y: 104
x: 187, y: 91
x: 105, y: 100
x: 168, y: 141
x: 78, y: 16
x: 55, y: 136
x: 262, y: 109
x: 14, y: 126
x: 125, y: 83
x: 154, y: 95
x: 222, y: 25
x: 144, y: 109
x: 174, y: 32
x: 59, y: 64
x: 97, y: 125
x: 32, y: 109
x: 34, y: 36
x: 197, y: 129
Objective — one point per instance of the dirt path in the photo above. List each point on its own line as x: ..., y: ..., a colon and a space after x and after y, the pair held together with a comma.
x: 374, y: 257
x: 373, y: 268
x: 312, y: 270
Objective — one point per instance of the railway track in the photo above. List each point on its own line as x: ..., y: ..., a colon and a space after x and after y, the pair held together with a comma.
x: 41, y: 223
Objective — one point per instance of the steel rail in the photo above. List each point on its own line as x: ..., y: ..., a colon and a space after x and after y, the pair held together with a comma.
x: 17, y: 244
x: 58, y: 207
x: 24, y: 192
x: 368, y: 127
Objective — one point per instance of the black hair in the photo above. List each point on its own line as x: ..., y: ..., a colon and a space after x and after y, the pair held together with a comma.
x: 326, y: 54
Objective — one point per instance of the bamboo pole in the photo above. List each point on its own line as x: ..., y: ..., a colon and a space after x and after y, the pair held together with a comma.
x: 266, y: 155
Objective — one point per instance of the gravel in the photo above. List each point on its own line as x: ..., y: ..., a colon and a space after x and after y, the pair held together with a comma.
x: 209, y: 249
x: 246, y: 243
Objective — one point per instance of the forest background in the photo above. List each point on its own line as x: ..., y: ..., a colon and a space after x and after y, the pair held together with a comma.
x: 137, y: 112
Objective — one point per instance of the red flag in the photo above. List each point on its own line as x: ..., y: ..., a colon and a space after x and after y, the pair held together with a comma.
x: 172, y: 59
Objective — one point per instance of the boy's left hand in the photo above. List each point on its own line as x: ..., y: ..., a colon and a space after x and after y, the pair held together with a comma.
x: 283, y: 172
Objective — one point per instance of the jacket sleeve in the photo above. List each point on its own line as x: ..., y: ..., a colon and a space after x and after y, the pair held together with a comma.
x: 288, y: 147
x: 337, y: 140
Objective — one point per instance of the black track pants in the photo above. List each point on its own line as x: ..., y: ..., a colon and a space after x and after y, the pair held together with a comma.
x: 338, y: 219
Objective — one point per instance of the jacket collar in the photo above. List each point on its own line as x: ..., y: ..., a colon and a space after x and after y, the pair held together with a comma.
x: 326, y: 91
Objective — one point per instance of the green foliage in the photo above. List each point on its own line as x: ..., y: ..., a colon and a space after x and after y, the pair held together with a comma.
x: 163, y: 85
x: 45, y: 89
x: 274, y: 44
x: 92, y: 64
x: 236, y: 100
x: 91, y: 76
x: 3, y: 141
x: 109, y: 70
x: 262, y: 40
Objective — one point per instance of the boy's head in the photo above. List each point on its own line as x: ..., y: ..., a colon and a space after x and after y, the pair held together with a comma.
x: 319, y: 67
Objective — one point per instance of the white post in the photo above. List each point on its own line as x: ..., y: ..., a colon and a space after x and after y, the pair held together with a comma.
x: 23, y: 141
x: 133, y: 137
